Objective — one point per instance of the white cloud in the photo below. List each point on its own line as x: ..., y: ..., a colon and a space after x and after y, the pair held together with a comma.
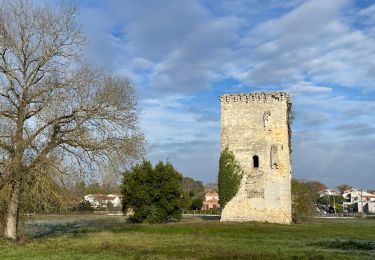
x: 197, y: 159
x: 312, y: 40
x: 155, y: 28
x: 322, y: 52
x: 204, y: 56
x: 174, y: 132
x: 307, y: 88
x: 367, y: 15
x: 169, y: 119
x: 334, y: 163
x: 102, y: 48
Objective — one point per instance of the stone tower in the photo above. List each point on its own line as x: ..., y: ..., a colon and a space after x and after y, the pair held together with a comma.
x: 255, y: 127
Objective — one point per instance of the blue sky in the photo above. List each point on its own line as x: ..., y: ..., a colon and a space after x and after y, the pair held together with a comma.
x: 182, y: 55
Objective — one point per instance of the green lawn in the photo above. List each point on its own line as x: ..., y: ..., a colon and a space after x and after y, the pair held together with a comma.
x: 93, y: 237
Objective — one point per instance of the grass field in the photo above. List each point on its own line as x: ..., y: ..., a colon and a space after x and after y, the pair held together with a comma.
x: 109, y: 237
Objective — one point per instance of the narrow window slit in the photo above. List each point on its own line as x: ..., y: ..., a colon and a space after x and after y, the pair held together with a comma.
x: 255, y: 161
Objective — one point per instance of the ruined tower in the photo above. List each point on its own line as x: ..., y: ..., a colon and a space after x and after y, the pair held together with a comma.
x: 256, y: 128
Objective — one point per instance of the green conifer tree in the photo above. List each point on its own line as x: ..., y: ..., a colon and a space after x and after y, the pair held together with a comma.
x: 230, y: 175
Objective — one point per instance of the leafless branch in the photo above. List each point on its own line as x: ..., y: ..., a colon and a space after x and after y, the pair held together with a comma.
x: 52, y: 103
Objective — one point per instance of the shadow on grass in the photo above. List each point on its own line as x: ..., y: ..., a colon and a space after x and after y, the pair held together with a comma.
x: 45, y: 228
x: 364, y: 247
x: 79, y: 226
x: 361, y: 245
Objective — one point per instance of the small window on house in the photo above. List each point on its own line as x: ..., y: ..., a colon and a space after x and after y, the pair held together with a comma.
x: 255, y: 161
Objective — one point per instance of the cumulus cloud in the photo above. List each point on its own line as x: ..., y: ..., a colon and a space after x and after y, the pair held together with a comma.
x: 366, y: 16
x: 334, y: 163
x: 197, y: 159
x: 202, y: 57
x: 102, y: 47
x: 176, y: 132
x: 313, y: 40
x: 155, y: 28
x: 183, y: 54
x: 307, y: 88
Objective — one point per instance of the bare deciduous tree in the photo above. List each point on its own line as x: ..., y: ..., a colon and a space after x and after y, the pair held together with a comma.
x: 53, y: 108
x: 343, y: 187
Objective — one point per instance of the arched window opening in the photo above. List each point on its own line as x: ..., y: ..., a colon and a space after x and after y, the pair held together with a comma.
x: 255, y: 161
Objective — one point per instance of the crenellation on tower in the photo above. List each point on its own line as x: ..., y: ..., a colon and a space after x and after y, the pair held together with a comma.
x: 258, y: 96
x: 255, y: 127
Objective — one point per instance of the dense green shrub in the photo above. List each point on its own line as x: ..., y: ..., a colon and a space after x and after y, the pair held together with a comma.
x: 84, y: 206
x: 110, y: 206
x: 154, y: 194
x: 230, y: 175
x: 196, y: 203
x: 302, y: 202
x: 195, y: 190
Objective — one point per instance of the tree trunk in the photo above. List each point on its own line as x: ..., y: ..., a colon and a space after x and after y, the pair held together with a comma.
x: 10, y: 231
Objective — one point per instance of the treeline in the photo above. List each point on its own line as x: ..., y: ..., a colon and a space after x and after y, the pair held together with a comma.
x: 157, y: 184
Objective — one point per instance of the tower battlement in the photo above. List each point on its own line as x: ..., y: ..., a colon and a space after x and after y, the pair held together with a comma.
x: 258, y: 96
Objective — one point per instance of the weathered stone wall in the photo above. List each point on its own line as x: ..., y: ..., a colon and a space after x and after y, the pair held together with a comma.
x: 256, y: 125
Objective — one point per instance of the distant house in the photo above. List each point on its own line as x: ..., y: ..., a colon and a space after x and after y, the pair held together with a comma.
x: 116, y: 199
x: 211, y: 201
x: 359, y: 200
x: 100, y: 200
x: 370, y: 206
x: 329, y: 192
